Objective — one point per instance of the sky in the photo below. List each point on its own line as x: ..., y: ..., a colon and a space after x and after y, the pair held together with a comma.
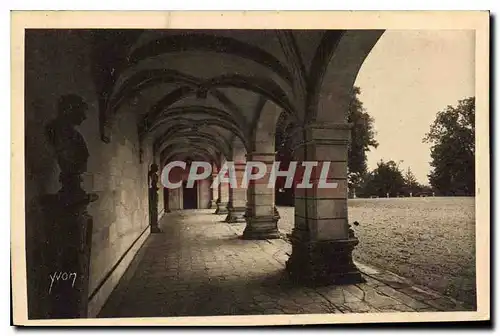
x: 409, y: 77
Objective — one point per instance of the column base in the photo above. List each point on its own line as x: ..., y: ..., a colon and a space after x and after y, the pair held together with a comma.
x: 236, y: 215
x: 262, y: 227
x: 323, y: 262
x: 155, y: 229
x: 221, y: 209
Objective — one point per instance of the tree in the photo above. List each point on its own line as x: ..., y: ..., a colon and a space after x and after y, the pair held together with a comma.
x: 452, y: 136
x: 411, y: 184
x: 387, y: 178
x: 362, y: 139
x: 410, y: 178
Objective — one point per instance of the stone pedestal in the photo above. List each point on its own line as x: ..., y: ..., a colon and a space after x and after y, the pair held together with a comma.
x: 221, y: 208
x: 66, y: 253
x: 153, y: 210
x: 66, y: 226
x: 261, y: 227
x: 323, y: 262
x: 236, y: 214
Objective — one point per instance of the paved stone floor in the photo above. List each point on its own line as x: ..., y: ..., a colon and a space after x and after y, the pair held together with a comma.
x: 198, y: 266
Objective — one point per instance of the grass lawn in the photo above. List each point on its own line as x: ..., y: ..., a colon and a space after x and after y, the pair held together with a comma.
x: 428, y: 239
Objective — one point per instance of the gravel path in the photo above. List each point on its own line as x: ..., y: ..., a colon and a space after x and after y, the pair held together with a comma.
x: 430, y: 240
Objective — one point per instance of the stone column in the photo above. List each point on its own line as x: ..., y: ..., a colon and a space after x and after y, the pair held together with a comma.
x: 238, y: 194
x: 214, y: 189
x: 223, y: 198
x: 322, y: 241
x: 262, y: 215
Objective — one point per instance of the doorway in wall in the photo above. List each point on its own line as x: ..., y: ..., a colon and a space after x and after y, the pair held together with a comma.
x: 190, y: 195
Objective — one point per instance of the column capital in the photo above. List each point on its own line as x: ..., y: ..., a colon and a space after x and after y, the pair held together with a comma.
x: 321, y: 142
x: 329, y: 125
x: 327, y: 134
x: 273, y: 154
x: 267, y: 158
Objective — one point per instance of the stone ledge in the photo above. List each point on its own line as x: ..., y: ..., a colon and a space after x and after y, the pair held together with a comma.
x: 99, y: 298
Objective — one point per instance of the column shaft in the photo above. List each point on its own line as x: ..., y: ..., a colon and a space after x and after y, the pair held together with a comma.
x: 214, y: 190
x: 223, y: 198
x: 262, y: 218
x: 238, y: 196
x: 322, y: 241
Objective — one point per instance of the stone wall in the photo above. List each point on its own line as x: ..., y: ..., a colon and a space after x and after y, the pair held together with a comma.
x: 204, y: 194
x: 121, y: 181
x: 175, y: 199
x: 57, y: 63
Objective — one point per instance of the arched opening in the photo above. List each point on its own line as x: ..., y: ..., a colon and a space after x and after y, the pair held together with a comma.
x: 189, y: 195
x: 284, y: 195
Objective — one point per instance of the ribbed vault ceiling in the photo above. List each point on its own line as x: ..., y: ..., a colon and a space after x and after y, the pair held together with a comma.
x: 198, y: 90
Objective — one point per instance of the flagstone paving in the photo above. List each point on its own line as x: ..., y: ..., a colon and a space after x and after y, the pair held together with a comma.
x: 198, y: 266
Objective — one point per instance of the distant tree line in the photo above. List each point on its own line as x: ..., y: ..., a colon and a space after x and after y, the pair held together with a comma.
x: 388, y: 180
x: 452, y: 141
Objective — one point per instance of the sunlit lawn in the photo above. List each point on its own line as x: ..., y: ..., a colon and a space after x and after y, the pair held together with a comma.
x: 430, y: 240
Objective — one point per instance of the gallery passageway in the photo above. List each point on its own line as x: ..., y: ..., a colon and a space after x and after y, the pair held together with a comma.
x: 199, y: 266
x: 107, y: 110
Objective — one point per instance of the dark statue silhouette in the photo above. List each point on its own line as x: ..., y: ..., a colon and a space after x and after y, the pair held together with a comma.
x: 70, y: 147
x: 153, y: 176
x: 153, y: 197
x: 68, y: 226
